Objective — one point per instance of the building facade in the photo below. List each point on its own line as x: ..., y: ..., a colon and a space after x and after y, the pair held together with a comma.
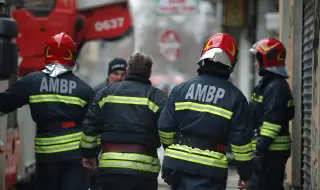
x: 299, y: 29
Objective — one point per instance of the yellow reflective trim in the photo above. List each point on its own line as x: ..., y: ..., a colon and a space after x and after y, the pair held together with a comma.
x: 88, y: 141
x: 129, y: 165
x: 276, y: 147
x: 129, y: 100
x: 85, y: 144
x: 166, y: 141
x: 278, y: 139
x: 279, y: 143
x: 257, y: 98
x: 191, y: 150
x: 99, y: 140
x: 56, y: 98
x: 131, y: 161
x: 167, y: 135
x: 243, y: 156
x: 271, y: 126
x: 46, y: 145
x: 203, y: 108
x: 268, y: 133
x: 57, y: 148
x: 41, y: 141
x: 187, y: 156
x: 241, y: 149
x: 88, y: 138
x: 167, y: 138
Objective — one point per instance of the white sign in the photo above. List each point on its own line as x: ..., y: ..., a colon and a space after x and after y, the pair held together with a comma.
x: 109, y: 24
x: 170, y: 45
x: 177, y: 6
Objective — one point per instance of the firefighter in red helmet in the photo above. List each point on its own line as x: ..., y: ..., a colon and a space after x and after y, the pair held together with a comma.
x: 201, y: 116
x: 272, y: 107
x: 58, y: 102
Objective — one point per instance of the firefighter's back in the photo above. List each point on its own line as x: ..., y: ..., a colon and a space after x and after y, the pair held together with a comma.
x: 203, y: 110
x: 126, y: 119
x: 58, y: 106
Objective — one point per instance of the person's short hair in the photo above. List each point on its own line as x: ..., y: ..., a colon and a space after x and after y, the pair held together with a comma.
x: 140, y: 63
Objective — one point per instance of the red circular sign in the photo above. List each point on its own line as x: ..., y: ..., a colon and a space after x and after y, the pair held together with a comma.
x: 170, y: 45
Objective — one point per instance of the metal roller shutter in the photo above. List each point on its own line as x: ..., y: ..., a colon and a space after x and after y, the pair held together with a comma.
x: 307, y: 47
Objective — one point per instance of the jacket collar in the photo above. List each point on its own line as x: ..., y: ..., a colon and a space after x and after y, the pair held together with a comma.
x: 139, y: 78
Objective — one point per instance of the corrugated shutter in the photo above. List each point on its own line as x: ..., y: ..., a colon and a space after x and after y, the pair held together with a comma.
x: 307, y: 38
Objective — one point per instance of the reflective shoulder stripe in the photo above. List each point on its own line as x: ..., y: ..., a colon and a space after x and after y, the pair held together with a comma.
x: 56, y: 98
x: 132, y: 161
x: 47, y: 145
x: 88, y: 141
x: 242, y: 153
x: 129, y: 100
x: 270, y: 129
x: 205, y: 157
x: 257, y: 98
x: 167, y: 138
x: 203, y: 108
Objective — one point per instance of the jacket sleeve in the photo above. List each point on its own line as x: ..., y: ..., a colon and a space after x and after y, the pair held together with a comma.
x: 275, y: 100
x: 240, y: 138
x: 91, y: 129
x: 159, y: 101
x: 166, y: 122
x: 16, y: 96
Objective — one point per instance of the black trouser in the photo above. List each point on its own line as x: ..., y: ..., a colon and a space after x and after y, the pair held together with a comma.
x: 179, y: 180
x: 126, y: 182
x: 63, y: 175
x: 272, y: 176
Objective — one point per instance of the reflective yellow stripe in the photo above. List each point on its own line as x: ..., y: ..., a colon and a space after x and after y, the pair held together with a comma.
x: 269, y: 129
x: 242, y: 153
x: 133, y: 161
x: 99, y: 140
x: 129, y: 100
x: 167, y: 138
x: 206, y: 157
x: 46, y: 145
x: 204, y: 108
x: 279, y: 144
x: 88, y: 141
x: 56, y: 98
x: 257, y: 98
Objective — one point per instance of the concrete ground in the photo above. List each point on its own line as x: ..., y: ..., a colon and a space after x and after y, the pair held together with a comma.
x: 232, y: 181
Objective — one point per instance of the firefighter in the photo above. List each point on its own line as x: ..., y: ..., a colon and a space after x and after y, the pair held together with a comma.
x: 272, y: 108
x: 116, y: 73
x: 58, y: 102
x: 200, y: 117
x: 125, y: 114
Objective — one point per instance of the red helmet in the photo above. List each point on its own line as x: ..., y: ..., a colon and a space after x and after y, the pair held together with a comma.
x: 271, y: 55
x: 220, y: 48
x: 60, y: 49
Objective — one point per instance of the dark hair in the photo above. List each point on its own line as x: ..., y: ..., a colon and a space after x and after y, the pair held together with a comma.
x: 140, y: 64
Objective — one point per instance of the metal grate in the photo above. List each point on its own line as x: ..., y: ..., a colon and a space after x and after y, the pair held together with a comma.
x: 307, y: 46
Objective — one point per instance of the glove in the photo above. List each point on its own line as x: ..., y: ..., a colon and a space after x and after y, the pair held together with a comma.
x: 165, y: 175
x: 257, y: 162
